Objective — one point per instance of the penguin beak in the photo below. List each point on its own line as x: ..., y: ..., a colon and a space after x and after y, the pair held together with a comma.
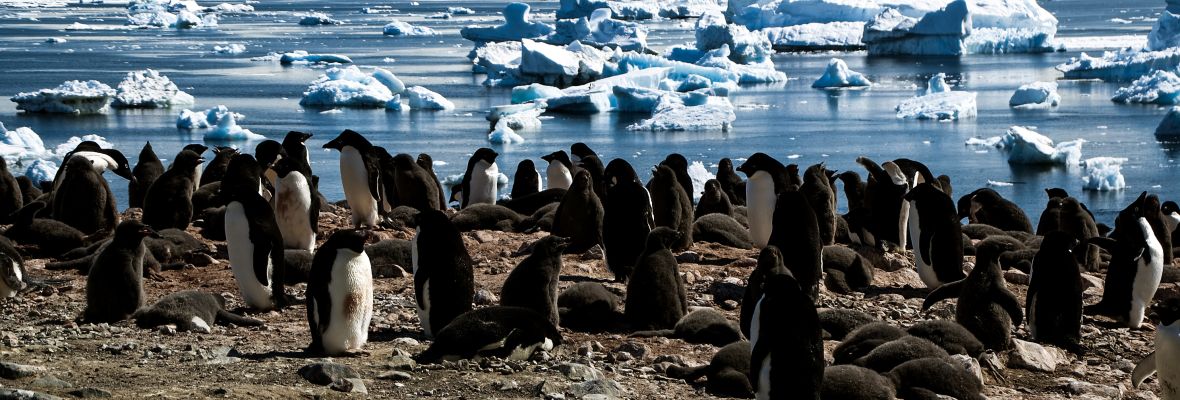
x: 149, y: 232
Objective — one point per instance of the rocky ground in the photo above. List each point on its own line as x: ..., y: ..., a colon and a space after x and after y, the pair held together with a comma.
x: 44, y: 349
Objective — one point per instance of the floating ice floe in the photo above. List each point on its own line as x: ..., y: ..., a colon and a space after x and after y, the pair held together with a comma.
x: 590, y: 98
x: 1165, y: 33
x: 699, y: 175
x: 349, y: 87
x: 837, y: 76
x: 21, y: 144
x: 303, y: 57
x: 55, y: 40
x: 1120, y: 66
x: 149, y: 89
x: 221, y: 122
x: 840, y: 35
x: 424, y: 99
x: 460, y: 11
x: 516, y: 26
x: 316, y: 19
x: 639, y: 9
x: 399, y: 28
x: 70, y: 144
x: 1103, y: 174
x: 1035, y: 95
x: 599, y: 30
x: 937, y: 33
x: 939, y: 103
x: 232, y: 48
x: 508, y: 119
x: 41, y: 171
x: 713, y: 32
x: 71, y: 97
x: 1025, y: 146
x: 673, y: 115
x: 1169, y: 128
x: 169, y: 14
x: 1159, y: 87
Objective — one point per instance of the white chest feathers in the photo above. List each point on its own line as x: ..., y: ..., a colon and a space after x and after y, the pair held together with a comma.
x: 355, y: 179
x: 1149, y: 270
x: 293, y: 211
x: 484, y: 181
x: 12, y: 282
x: 760, y: 201
x: 351, y: 294
x: 558, y: 175
x: 241, y: 259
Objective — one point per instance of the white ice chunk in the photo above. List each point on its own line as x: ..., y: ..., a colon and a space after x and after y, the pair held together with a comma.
x: 839, y: 35
x: 1025, y: 146
x: 712, y: 32
x: 937, y: 33
x: 511, y: 118
x: 1006, y: 41
x: 837, y: 75
x: 939, y: 103
x: 21, y: 144
x: 227, y: 129
x: 395, y: 104
x: 302, y: 57
x: 599, y: 96
x: 699, y: 175
x: 149, y: 89
x: 348, y: 87
x: 41, y: 171
x: 1120, y: 66
x: 754, y: 72
x: 388, y: 79
x: 460, y: 11
x: 1035, y: 95
x: 71, y: 97
x: 533, y: 91
x: 673, y: 115
x: 1103, y: 174
x: 497, y: 59
x: 547, y: 60
x: 1165, y: 33
x: 399, y: 28
x: 55, y: 40
x: 516, y: 26
x: 316, y: 19
x: 423, y: 99
x: 232, y: 48
x: 1159, y: 87
x: 599, y: 30
x: 1169, y: 128
x: 70, y: 144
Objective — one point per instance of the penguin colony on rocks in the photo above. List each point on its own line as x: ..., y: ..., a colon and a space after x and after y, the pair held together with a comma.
x: 266, y: 207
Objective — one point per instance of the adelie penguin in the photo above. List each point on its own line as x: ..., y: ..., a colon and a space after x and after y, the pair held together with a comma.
x: 189, y: 310
x: 512, y: 333
x: 340, y: 295
x: 1136, y: 265
x: 796, y: 234
x: 986, y: 206
x: 83, y: 199
x: 527, y: 180
x: 655, y: 294
x: 297, y: 210
x: 1165, y: 360
x: 560, y: 172
x: 360, y: 174
x: 822, y: 198
x: 147, y: 170
x: 427, y: 163
x: 169, y: 202
x: 888, y: 211
x: 579, y: 216
x: 295, y: 146
x: 481, y: 178
x: 787, y: 355
x: 12, y: 276
x: 713, y: 200
x: 679, y: 166
x: 1054, y: 301
x: 671, y: 205
x: 936, y: 236
x: 533, y: 283
x: 200, y: 149
x: 765, y: 178
x: 415, y: 186
x: 114, y: 286
x: 731, y: 183
x: 101, y: 160
x: 254, y: 241
x: 444, y: 283
x: 986, y: 307
x: 627, y: 218
x: 215, y: 169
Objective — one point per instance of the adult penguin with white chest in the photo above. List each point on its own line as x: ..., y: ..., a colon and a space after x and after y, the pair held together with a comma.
x: 787, y: 355
x: 295, y: 147
x: 579, y: 215
x: 297, y: 209
x: 340, y: 294
x: 253, y: 239
x: 114, y: 286
x: 169, y: 202
x: 444, y: 283
x: 986, y: 307
x: 627, y: 218
x: 1165, y: 360
x: 765, y: 179
x: 83, y: 199
x: 360, y: 174
x: 560, y: 172
x: 671, y: 205
x: 481, y: 178
x: 1136, y: 266
x: 936, y: 236
x: 101, y: 160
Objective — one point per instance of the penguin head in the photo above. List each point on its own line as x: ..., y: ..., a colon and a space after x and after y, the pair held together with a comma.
x: 618, y: 171
x: 725, y: 165
x: 924, y: 192
x: 134, y: 229
x: 283, y: 167
x: 122, y: 166
x: 242, y: 175
x: 712, y: 190
x: 759, y: 162
x: 551, y: 244
x: 582, y: 182
x: 268, y: 152
x: 224, y: 152
x: 1056, y: 192
x: 404, y: 161
x: 992, y: 246
x: 1058, y: 242
x: 816, y: 173
x: 663, y: 172
x: 196, y: 148
x: 188, y: 159
x: 1169, y: 207
x: 350, y: 239
x: 425, y: 161
x: 849, y: 177
x: 485, y: 154
x: 663, y: 238
x: 944, y: 183
x: 1054, y: 203
x: 769, y: 259
x: 1070, y: 204
x: 349, y: 138
x: 591, y: 163
x: 10, y: 273
x: 676, y: 161
x: 558, y: 156
x: 294, y: 137
x: 1166, y: 311
x: 581, y: 150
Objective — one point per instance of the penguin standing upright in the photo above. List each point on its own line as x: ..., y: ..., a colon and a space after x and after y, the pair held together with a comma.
x: 415, y: 186
x: 114, y: 285
x: 296, y: 206
x: 267, y: 153
x: 427, y: 163
x: 295, y: 146
x: 169, y: 202
x: 533, y: 283
x: 340, y: 294
x: 765, y: 179
x: 444, y: 284
x: 768, y: 259
x: 215, y: 169
x: 626, y: 220
x: 253, y: 239
x: 787, y: 354
x: 579, y: 216
x: 559, y: 173
x: 10, y: 194
x: 1054, y: 301
x: 823, y: 201
x: 679, y: 166
x: 200, y: 149
x: 527, y: 180
x: 594, y: 166
x: 147, y: 170
x: 83, y: 199
x: 1166, y: 358
x: 671, y: 206
x: 1136, y: 266
x: 986, y: 307
x: 883, y: 198
x: 481, y: 178
x: 361, y: 176
x: 655, y: 294
x: 796, y: 234
x: 579, y: 151
x: 936, y: 236
x: 731, y: 183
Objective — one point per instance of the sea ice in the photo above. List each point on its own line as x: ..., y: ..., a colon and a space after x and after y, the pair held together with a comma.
x: 460, y: 11
x: 71, y: 97
x: 712, y: 32
x: 1169, y: 128
x: 232, y: 48
x: 837, y: 75
x: 302, y: 57
x: 840, y: 35
x: 939, y: 103
x: 21, y: 144
x: 937, y: 33
x: 699, y: 175
x: 1103, y: 174
x: 221, y: 122
x: 1024, y: 146
x: 41, y: 171
x: 316, y: 19
x: 1159, y: 87
x: 673, y: 115
x: 70, y: 144
x: 149, y: 89
x: 511, y: 118
x: 349, y: 87
x: 399, y: 28
x: 516, y: 26
x: 1035, y: 95
x: 1120, y: 66
x: 423, y: 99
x: 1165, y: 33
x: 599, y: 30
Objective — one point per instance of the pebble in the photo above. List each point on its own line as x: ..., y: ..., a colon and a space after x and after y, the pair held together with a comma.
x: 395, y: 376
x: 326, y: 373
x: 484, y: 297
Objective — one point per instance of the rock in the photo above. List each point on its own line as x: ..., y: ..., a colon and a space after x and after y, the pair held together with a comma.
x: 20, y: 394
x: 549, y: 390
x: 729, y: 305
x: 50, y: 382
x: 1032, y: 357
x: 598, y: 388
x: 724, y: 290
x: 89, y: 393
x: 1090, y: 390
x: 402, y: 362
x: 579, y: 372
x: 349, y: 385
x: 594, y: 253
x: 1016, y: 277
x: 327, y: 373
x: 483, y: 236
x: 395, y: 376
x: 405, y: 341
x: 17, y: 371
x: 688, y: 257
x: 635, y: 349
x: 968, y: 363
x: 484, y: 297
x: 989, y: 361
x: 1091, y: 281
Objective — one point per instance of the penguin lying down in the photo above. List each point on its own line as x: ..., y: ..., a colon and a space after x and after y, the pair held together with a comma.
x: 189, y: 310
x: 497, y: 331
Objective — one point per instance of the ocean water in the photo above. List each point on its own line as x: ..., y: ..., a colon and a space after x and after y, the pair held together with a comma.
x: 789, y: 121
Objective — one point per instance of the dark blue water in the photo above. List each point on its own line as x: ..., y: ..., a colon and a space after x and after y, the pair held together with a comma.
x: 784, y: 120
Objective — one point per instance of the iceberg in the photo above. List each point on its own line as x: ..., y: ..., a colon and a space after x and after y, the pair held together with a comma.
x: 839, y: 35
x: 41, y: 171
x: 516, y: 26
x: 939, y: 103
x: 508, y: 119
x: 399, y: 28
x: 937, y: 33
x: 1120, y: 66
x: 628, y: 10
x: 232, y: 48
x: 533, y: 91
x: 699, y: 175
x: 598, y: 96
x: 349, y: 87
x: 837, y: 76
x: 1103, y: 174
x: 753, y: 72
x: 149, y: 89
x: 558, y: 66
x: 1007, y: 41
x: 673, y: 115
x: 221, y: 122
x: 302, y: 57
x: 599, y: 30
x: 1165, y: 33
x: 712, y: 32
x: 1169, y: 128
x: 71, y: 97
x: 170, y: 14
x: 423, y: 99
x: 394, y: 104
x: 316, y: 19
x: 1024, y: 146
x: 496, y: 59
x: 1159, y: 87
x: 460, y: 11
x: 1035, y: 95
x: 21, y: 144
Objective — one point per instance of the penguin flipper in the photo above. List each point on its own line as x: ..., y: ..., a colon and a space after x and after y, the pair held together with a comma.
x: 1105, y: 243
x: 226, y: 317
x: 943, y: 292
x: 1144, y: 369
x: 1008, y: 301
